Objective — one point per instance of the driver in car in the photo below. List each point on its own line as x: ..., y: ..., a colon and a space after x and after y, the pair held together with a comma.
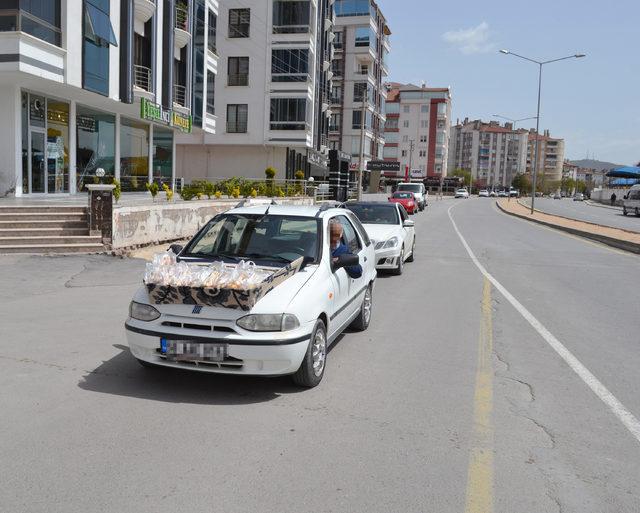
x: 338, y: 247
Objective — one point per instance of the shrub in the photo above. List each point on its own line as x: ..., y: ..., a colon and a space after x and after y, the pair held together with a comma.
x: 299, y: 174
x: 187, y: 193
x: 218, y: 194
x: 168, y: 192
x: 117, y: 191
x: 153, y: 189
x: 270, y: 173
x: 254, y: 193
x: 236, y: 192
x: 209, y: 189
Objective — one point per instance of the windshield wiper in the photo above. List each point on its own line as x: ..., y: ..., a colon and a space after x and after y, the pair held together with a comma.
x: 212, y: 256
x: 268, y: 257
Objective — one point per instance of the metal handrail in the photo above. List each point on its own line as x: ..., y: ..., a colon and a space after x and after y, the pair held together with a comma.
x: 180, y: 95
x: 142, y: 77
x: 182, y: 17
x: 290, y: 29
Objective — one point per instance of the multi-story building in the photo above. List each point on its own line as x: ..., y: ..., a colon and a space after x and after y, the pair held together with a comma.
x: 99, y: 86
x: 493, y: 154
x: 550, y: 157
x: 271, y: 93
x: 417, y: 130
x: 359, y: 67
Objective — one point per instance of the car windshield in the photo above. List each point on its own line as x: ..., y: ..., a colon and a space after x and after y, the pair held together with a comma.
x: 278, y: 238
x: 462, y: 190
x: 375, y: 214
x: 413, y: 187
x: 403, y: 195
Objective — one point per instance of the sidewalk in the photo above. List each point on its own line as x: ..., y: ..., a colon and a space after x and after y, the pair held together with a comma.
x: 615, y: 237
x: 602, y: 205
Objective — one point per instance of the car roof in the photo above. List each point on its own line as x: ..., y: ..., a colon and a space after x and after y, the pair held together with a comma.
x: 288, y: 210
x: 368, y: 203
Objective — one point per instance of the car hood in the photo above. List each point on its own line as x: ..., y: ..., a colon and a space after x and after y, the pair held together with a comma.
x: 378, y: 232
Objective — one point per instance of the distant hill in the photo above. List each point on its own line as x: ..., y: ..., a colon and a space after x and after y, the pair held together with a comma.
x: 595, y: 164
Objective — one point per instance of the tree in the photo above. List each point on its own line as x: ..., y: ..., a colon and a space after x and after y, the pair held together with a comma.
x: 464, y: 174
x: 521, y: 183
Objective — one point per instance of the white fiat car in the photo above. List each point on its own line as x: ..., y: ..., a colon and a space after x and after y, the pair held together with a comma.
x: 289, y: 329
x: 390, y: 229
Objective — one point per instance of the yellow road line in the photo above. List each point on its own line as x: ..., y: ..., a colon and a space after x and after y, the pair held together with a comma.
x: 479, y: 495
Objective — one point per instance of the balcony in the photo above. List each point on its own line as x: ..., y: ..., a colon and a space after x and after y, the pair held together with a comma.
x: 182, y: 36
x: 142, y: 78
x: 290, y: 29
x: 180, y: 95
x: 144, y: 9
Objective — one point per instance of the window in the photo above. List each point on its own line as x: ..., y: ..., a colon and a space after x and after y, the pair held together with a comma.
x: 405, y: 123
x: 211, y: 91
x: 288, y: 113
x: 335, y: 122
x: 349, y: 236
x: 239, y: 22
x: 406, y: 108
x: 362, y: 36
x: 238, y: 71
x: 162, y: 155
x: 39, y: 18
x: 356, y: 117
x: 424, y: 123
x: 390, y: 152
x: 98, y: 36
x: 423, y: 138
x: 291, y: 16
x: 134, y: 154
x: 336, y: 67
x: 358, y: 91
x: 404, y: 153
x: 290, y: 65
x: 336, y: 94
x: 212, y: 28
x: 424, y: 108
x: 422, y: 153
x: 391, y: 124
x: 391, y: 138
x: 353, y: 8
x: 338, y: 40
x: 95, y: 146
x: 405, y: 138
x: 237, y: 116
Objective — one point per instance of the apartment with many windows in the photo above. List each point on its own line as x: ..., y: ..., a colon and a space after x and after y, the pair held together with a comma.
x: 416, y: 131
x: 93, y: 87
x: 359, y: 68
x: 550, y: 158
x: 493, y: 153
x: 271, y: 92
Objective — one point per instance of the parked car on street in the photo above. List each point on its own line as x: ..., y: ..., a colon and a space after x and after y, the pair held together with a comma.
x: 493, y: 194
x: 631, y: 201
x: 484, y: 193
x: 290, y: 328
x: 406, y: 199
x: 578, y: 197
x: 514, y: 193
x: 418, y: 190
x: 557, y: 195
x: 502, y: 194
x: 462, y: 193
x: 391, y: 232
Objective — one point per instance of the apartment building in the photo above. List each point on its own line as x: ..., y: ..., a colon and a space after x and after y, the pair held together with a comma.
x: 550, y: 157
x: 271, y: 94
x: 416, y: 131
x: 359, y: 68
x: 493, y: 154
x: 99, y: 86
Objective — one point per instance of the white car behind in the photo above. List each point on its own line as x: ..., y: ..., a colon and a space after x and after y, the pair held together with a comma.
x: 419, y: 191
x: 289, y: 330
x: 462, y: 193
x: 390, y: 230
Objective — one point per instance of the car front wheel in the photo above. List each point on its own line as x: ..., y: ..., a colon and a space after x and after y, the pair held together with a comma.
x: 361, y: 322
x: 398, y: 270
x: 411, y: 258
x: 312, y: 367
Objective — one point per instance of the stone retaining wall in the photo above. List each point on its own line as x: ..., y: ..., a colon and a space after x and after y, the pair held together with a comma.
x: 162, y: 222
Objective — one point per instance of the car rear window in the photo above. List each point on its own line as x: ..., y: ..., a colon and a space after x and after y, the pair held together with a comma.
x: 403, y: 195
x: 413, y: 187
x: 375, y: 214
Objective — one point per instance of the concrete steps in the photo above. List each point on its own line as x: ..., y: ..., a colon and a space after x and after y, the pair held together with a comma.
x: 45, y: 229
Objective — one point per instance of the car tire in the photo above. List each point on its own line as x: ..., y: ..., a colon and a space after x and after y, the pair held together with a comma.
x: 637, y: 212
x: 307, y: 375
x: 398, y: 270
x: 148, y: 365
x: 624, y: 211
x: 411, y: 258
x: 361, y: 322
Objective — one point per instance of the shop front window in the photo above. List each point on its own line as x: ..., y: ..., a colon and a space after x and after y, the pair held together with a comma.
x: 96, y: 134
x: 57, y: 146
x: 162, y: 155
x: 134, y: 155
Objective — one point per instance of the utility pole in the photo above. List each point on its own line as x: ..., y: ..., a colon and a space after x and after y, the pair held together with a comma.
x: 363, y: 118
x: 412, y: 145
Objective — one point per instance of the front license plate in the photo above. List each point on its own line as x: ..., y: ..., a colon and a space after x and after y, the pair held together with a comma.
x: 186, y: 351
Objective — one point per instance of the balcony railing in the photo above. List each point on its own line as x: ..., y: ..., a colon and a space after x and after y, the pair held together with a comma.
x: 290, y: 29
x: 290, y: 125
x: 180, y: 95
x: 287, y: 77
x: 182, y: 17
x: 142, y: 77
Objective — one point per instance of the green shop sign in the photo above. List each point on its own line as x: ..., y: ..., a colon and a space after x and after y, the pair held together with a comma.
x: 154, y: 112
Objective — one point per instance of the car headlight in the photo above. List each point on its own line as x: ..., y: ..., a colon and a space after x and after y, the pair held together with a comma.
x: 391, y: 243
x: 143, y: 312
x: 268, y: 322
x: 379, y: 244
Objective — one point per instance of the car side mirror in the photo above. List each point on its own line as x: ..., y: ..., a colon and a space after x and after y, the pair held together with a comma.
x: 346, y: 260
x: 176, y: 248
x: 408, y: 223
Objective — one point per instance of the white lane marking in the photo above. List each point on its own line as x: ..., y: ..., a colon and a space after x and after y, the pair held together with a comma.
x: 618, y: 409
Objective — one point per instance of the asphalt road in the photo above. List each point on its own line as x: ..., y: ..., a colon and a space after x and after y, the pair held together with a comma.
x: 450, y: 402
x: 584, y: 212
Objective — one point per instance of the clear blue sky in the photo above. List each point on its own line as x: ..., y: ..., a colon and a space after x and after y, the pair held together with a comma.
x: 593, y: 103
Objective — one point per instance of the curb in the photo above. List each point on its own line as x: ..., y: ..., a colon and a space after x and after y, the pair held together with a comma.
x: 624, y: 245
x: 602, y: 205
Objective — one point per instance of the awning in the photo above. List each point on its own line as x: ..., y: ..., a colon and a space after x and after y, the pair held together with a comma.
x: 99, y: 25
x: 623, y: 181
x: 624, y: 172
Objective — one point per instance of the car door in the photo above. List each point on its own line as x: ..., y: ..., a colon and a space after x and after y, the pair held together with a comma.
x: 356, y: 246
x: 408, y: 232
x: 339, y: 306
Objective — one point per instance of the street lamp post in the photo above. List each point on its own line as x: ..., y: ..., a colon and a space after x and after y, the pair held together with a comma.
x: 535, y: 157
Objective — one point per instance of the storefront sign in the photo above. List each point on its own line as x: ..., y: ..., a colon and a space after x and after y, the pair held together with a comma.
x: 383, y: 165
x: 155, y: 112
x: 416, y: 173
